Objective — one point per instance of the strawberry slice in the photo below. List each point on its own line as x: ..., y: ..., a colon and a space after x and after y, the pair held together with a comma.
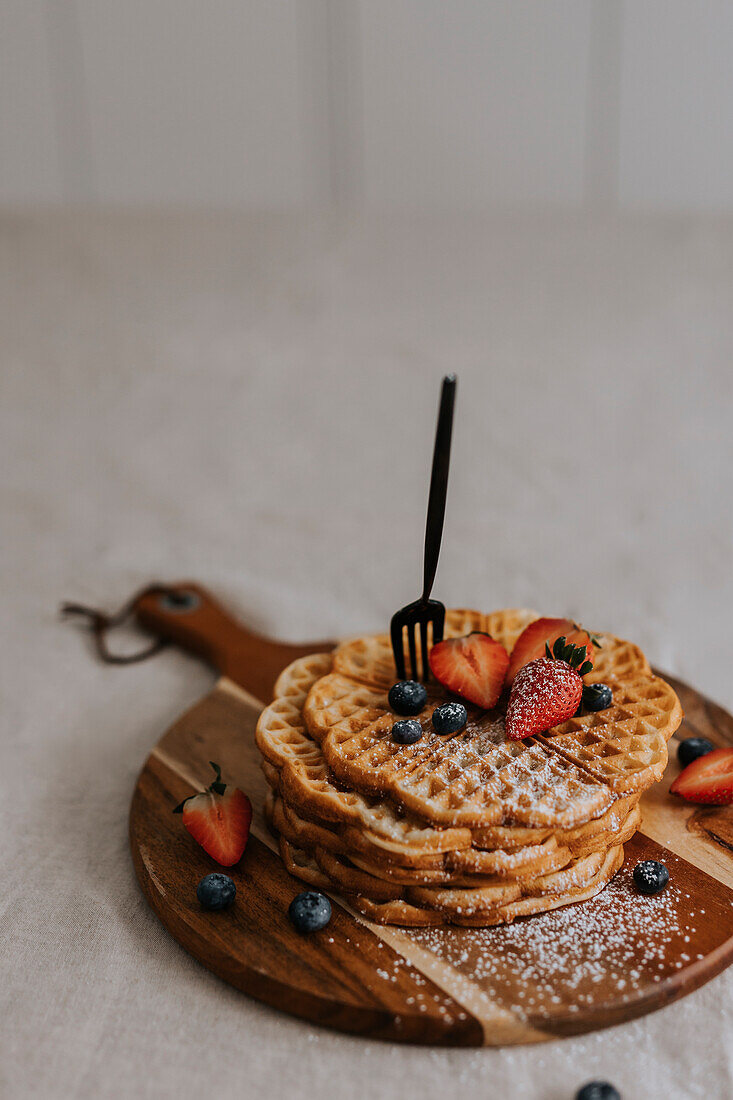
x: 707, y: 779
x: 545, y: 692
x: 218, y: 819
x: 531, y: 642
x: 473, y: 667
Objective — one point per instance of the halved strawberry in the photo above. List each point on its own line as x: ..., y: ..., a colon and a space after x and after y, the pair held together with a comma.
x: 531, y: 642
x: 707, y: 779
x: 545, y: 692
x: 473, y: 667
x: 219, y: 819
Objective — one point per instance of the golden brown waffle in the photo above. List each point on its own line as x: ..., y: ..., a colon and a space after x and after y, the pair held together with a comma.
x: 472, y: 779
x: 410, y: 914
x: 625, y: 746
x: 575, y: 842
x: 475, y: 908
x: 467, y: 868
x: 306, y: 782
x: 436, y: 869
x: 303, y: 866
x: 477, y: 778
x: 470, y: 898
x: 616, y: 659
x: 374, y: 826
x: 271, y: 774
x: 468, y: 829
x: 515, y: 836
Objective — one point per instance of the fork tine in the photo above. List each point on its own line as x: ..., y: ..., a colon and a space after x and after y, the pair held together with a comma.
x: 414, y: 671
x: 398, y: 649
x: 424, y: 649
x: 438, y: 624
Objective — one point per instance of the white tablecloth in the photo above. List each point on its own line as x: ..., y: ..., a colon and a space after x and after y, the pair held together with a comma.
x: 250, y: 401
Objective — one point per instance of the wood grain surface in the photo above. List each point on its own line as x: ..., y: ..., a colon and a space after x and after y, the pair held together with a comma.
x: 576, y: 970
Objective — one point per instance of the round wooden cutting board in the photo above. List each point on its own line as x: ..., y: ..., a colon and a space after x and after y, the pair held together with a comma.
x: 562, y: 973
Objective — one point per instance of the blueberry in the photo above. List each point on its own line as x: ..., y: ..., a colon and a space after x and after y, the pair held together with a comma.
x: 650, y: 876
x: 407, y: 697
x: 406, y: 732
x: 449, y: 718
x: 597, y: 696
x: 216, y: 891
x: 310, y: 911
x: 691, y: 748
x: 598, y: 1090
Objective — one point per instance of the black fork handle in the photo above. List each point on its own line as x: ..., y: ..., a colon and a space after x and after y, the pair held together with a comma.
x: 438, y: 483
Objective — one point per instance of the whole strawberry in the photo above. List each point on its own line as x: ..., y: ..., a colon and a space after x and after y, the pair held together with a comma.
x: 547, y: 691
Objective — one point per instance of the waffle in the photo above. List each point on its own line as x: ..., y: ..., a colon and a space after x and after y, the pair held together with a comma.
x: 296, y: 762
x: 449, y: 907
x: 411, y: 914
x: 303, y: 866
x: 469, y: 897
x: 477, y: 778
x: 467, y: 868
x: 294, y: 765
x: 305, y: 781
x: 625, y: 746
x: 470, y: 829
x: 472, y: 779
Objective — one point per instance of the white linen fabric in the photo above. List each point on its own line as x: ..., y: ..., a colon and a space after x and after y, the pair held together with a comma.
x: 250, y: 401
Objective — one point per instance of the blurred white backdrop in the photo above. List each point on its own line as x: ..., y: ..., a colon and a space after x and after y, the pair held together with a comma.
x: 425, y: 104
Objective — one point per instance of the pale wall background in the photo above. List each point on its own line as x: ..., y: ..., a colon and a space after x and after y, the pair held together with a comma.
x: 423, y: 104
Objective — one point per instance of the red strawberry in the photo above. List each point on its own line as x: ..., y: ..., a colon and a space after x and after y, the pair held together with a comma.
x: 545, y: 693
x: 531, y: 642
x: 707, y: 779
x: 473, y: 667
x: 219, y: 819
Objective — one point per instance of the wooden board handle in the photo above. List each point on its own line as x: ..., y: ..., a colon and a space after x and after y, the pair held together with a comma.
x: 189, y: 616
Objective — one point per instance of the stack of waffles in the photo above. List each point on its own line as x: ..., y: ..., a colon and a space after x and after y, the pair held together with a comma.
x: 466, y: 829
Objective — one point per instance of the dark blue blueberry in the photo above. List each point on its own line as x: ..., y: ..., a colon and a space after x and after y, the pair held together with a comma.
x: 216, y: 891
x: 650, y: 876
x: 407, y: 732
x: 407, y: 697
x: 597, y: 696
x: 310, y: 911
x: 598, y: 1090
x: 691, y: 748
x: 449, y: 718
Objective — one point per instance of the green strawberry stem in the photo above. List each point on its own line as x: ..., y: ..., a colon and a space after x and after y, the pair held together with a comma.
x: 216, y: 787
x: 573, y: 655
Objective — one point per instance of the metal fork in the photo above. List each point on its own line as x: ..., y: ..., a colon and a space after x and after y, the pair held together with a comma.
x: 422, y: 612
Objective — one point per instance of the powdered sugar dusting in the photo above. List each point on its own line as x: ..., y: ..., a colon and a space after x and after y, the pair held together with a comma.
x: 489, y: 733
x: 605, y: 950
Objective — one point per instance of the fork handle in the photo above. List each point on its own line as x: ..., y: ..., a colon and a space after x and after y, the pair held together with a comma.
x: 438, y: 483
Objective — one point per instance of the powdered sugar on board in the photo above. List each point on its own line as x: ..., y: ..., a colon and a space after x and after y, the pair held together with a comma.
x: 606, y: 951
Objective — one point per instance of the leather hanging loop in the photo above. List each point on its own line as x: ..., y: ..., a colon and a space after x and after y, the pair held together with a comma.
x: 100, y: 624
